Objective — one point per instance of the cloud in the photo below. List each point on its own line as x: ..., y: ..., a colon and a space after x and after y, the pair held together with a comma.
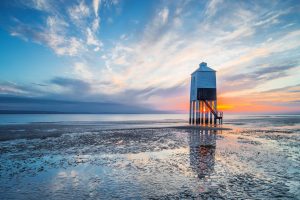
x: 16, y: 89
x: 243, y: 81
x: 158, y: 25
x: 212, y: 7
x: 96, y: 24
x: 27, y: 105
x: 271, y: 18
x: 82, y: 71
x: 56, y: 38
x: 250, y: 55
x: 263, y: 73
x: 10, y: 88
x: 40, y: 84
x: 164, y: 14
x: 96, y: 4
x: 73, y: 86
x: 53, y: 34
x: 291, y: 88
x: 42, y: 5
x: 78, y: 12
x: 92, y: 40
x: 62, y: 30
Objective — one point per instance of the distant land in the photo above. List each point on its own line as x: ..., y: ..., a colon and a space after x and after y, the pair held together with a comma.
x: 24, y: 105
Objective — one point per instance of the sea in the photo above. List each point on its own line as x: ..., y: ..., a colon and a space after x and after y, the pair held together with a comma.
x: 148, y: 156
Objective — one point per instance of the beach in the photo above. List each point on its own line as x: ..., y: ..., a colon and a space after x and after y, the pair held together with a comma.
x: 251, y: 157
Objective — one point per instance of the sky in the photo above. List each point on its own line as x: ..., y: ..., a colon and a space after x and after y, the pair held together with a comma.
x: 143, y: 52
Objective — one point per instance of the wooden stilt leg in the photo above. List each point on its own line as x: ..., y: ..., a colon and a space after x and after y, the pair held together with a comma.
x: 206, y: 114
x: 214, y: 106
x: 190, y: 117
x: 200, y: 107
x: 194, y: 118
x: 192, y: 112
x: 202, y: 112
x: 210, y: 113
x: 197, y: 111
x: 215, y: 119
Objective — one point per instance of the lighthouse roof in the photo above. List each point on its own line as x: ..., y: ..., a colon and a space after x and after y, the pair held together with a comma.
x: 204, y: 68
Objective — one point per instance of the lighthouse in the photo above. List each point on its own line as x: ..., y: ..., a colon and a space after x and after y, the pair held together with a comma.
x: 203, y: 96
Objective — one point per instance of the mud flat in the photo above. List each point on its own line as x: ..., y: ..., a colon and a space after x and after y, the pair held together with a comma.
x: 55, y: 161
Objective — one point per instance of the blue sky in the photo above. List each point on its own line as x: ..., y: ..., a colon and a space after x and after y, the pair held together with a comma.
x: 143, y: 52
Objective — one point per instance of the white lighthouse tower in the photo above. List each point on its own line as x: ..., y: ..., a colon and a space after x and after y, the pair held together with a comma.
x: 203, y: 96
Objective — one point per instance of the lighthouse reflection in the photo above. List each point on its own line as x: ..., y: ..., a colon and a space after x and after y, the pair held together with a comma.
x: 202, y: 151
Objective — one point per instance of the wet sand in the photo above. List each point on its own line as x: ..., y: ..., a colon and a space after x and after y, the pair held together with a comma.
x: 55, y: 161
x: 44, y: 130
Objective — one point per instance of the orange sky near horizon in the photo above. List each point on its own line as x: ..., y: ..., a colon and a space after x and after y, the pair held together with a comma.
x: 239, y: 107
x: 264, y: 102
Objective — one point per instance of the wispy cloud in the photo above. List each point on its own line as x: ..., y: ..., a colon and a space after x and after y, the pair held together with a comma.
x: 79, y: 12
x: 92, y: 40
x: 11, y: 88
x: 53, y: 34
x: 43, y: 5
x: 164, y: 14
x: 96, y: 4
x: 212, y: 7
x: 243, y: 81
x: 62, y: 31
